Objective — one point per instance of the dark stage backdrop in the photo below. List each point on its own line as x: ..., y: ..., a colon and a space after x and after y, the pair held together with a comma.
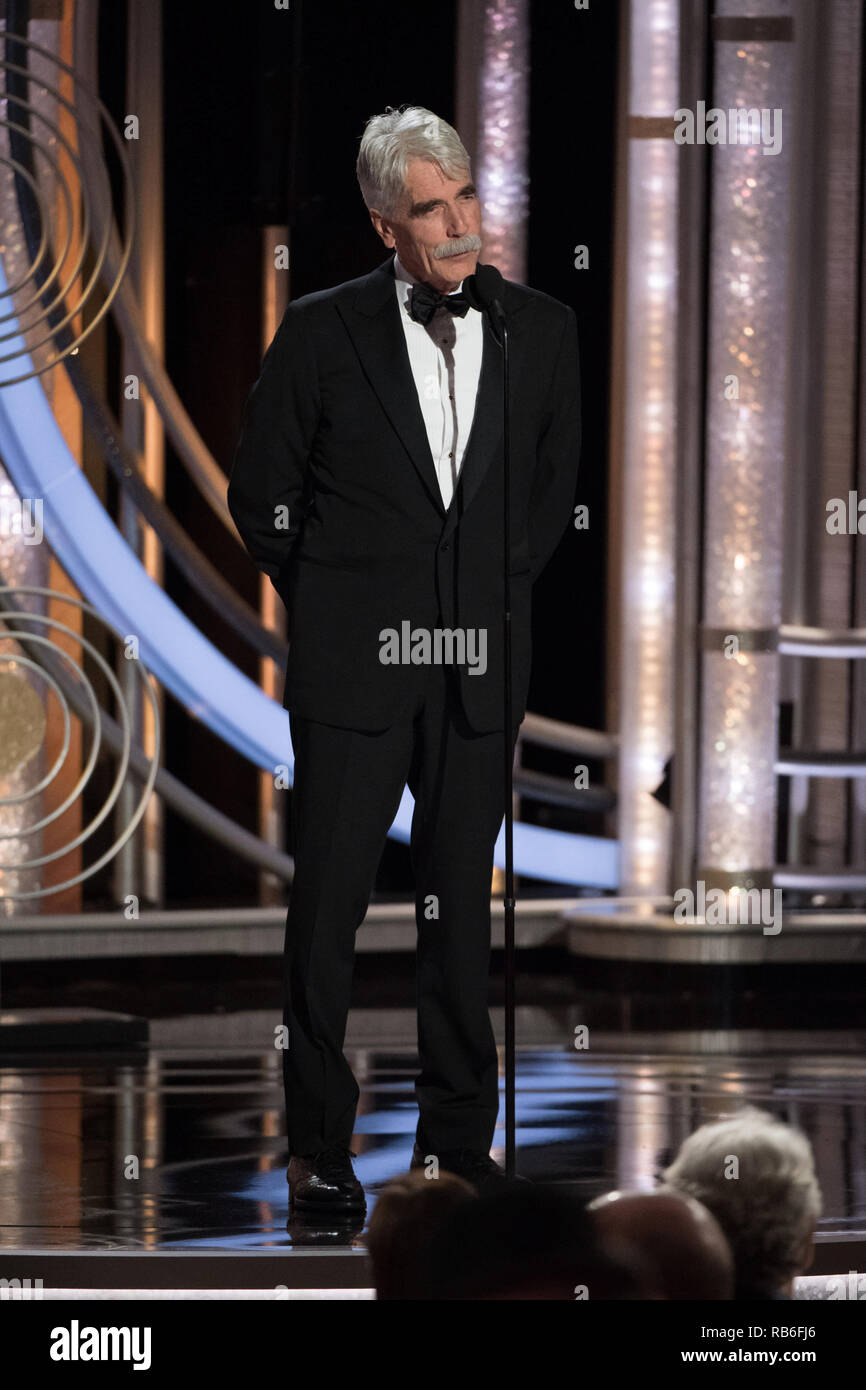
x: 263, y: 112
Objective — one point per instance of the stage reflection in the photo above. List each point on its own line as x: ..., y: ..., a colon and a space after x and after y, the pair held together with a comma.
x: 183, y: 1148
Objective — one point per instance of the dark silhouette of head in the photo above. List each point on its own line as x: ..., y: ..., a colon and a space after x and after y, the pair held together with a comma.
x: 675, y: 1235
x: 407, y: 1215
x: 522, y: 1241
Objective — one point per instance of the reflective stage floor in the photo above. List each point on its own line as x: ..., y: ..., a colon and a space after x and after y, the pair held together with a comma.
x: 176, y: 1147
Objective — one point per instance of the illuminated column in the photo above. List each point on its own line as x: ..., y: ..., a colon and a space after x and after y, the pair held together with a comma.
x: 744, y: 483
x: 644, y: 414
x: 493, y: 122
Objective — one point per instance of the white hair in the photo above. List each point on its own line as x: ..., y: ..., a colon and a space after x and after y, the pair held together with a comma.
x: 391, y: 140
x: 767, y: 1204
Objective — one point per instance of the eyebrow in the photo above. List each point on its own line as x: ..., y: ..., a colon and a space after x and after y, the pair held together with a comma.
x: 418, y: 209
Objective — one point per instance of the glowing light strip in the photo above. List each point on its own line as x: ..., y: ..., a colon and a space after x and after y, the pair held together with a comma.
x: 503, y: 135
x: 648, y: 662
x: 112, y: 578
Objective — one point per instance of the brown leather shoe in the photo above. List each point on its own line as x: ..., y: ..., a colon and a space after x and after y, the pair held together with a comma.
x: 324, y: 1181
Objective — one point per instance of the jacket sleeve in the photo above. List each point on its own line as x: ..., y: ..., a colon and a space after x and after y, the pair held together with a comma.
x: 269, y: 468
x: 555, y: 479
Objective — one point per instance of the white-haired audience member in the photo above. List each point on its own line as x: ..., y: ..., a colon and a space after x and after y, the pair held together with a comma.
x: 757, y: 1176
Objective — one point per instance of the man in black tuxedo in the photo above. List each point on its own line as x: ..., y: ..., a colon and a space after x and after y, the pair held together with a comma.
x: 367, y: 483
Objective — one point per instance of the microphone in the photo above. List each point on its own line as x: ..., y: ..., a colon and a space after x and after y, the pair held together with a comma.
x: 485, y: 291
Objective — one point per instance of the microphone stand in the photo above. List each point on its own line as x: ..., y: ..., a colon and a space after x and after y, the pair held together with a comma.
x: 498, y: 314
x: 508, y: 771
x: 482, y: 293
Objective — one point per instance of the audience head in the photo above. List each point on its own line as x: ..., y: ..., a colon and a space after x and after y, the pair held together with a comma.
x: 757, y: 1176
x: 407, y: 1215
x: 675, y: 1235
x: 522, y: 1241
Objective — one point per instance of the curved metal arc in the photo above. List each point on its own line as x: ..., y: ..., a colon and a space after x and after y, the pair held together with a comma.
x: 61, y: 291
x: 12, y: 290
x: 19, y: 797
x: 33, y: 180
x: 176, y: 794
x: 119, y: 269
x: 135, y: 818
x: 88, y: 768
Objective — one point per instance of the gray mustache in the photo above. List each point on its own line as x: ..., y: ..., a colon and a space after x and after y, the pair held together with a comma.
x: 458, y: 247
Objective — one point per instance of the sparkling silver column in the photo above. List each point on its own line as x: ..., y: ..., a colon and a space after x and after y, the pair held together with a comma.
x: 746, y: 403
x: 493, y: 119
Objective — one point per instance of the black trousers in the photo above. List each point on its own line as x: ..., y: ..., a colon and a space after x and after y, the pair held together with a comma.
x: 346, y: 791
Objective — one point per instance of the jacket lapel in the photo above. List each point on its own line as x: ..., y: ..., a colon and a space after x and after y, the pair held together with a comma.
x: 375, y: 327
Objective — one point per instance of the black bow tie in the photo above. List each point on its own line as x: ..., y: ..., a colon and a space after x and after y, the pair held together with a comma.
x: 424, y: 301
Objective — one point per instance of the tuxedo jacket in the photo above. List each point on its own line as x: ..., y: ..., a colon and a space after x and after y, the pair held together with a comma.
x: 334, y: 492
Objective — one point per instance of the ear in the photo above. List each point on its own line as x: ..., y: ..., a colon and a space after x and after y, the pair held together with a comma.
x: 383, y: 228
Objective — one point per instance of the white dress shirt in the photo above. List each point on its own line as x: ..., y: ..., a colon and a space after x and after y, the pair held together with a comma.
x: 445, y: 357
